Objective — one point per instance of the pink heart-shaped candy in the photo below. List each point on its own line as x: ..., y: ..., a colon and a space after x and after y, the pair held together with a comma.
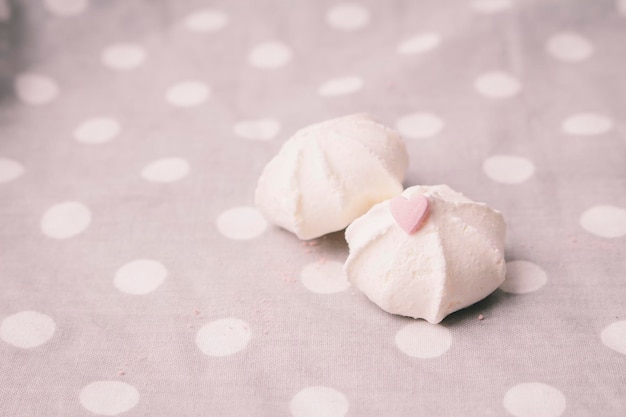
x: 409, y: 214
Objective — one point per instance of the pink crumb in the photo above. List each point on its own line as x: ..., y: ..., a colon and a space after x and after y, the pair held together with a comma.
x: 481, y: 317
x: 288, y: 279
x: 121, y: 372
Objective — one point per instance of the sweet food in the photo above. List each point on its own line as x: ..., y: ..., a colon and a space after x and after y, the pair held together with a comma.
x: 427, y: 253
x: 330, y: 173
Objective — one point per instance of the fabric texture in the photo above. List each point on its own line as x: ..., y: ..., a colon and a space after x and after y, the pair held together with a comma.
x: 137, y: 278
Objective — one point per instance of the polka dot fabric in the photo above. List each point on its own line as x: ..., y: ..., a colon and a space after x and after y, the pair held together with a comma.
x: 137, y: 277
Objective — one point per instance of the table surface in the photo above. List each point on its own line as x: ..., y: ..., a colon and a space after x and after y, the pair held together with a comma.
x: 137, y: 278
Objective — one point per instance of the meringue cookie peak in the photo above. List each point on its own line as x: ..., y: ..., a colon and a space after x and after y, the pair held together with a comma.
x: 454, y: 259
x: 330, y: 173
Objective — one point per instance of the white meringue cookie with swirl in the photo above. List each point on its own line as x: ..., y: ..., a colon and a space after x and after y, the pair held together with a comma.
x: 330, y: 173
x: 454, y: 259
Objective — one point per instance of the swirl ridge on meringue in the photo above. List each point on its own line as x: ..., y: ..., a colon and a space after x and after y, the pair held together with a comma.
x: 455, y: 259
x: 330, y: 173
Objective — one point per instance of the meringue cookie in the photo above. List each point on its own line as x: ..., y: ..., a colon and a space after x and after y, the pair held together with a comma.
x: 330, y: 173
x: 453, y: 260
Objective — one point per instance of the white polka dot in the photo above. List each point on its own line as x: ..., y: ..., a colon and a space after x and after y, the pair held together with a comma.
x: 604, y: 221
x: 569, y: 47
x: 348, y: 16
x: 419, y: 43
x: 340, y: 86
x: 206, y: 21
x: 497, y: 84
x: 123, y: 56
x: 423, y: 340
x: 621, y: 6
x: 419, y: 125
x: 491, y: 6
x: 587, y: 124
x: 109, y: 398
x: 270, y: 55
x: 188, y: 94
x: 27, y: 329
x: 166, y: 170
x: 66, y: 8
x: 140, y: 276
x: 258, y: 129
x: 614, y: 336
x: 35, y: 89
x: 534, y: 399
x: 65, y: 220
x: 241, y: 223
x: 508, y: 169
x: 223, y: 337
x: 523, y: 277
x: 324, y: 277
x: 10, y: 170
x: 97, y: 130
x: 319, y: 402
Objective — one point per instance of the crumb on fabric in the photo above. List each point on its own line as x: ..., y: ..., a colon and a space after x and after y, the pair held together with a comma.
x: 481, y: 317
x: 288, y: 279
